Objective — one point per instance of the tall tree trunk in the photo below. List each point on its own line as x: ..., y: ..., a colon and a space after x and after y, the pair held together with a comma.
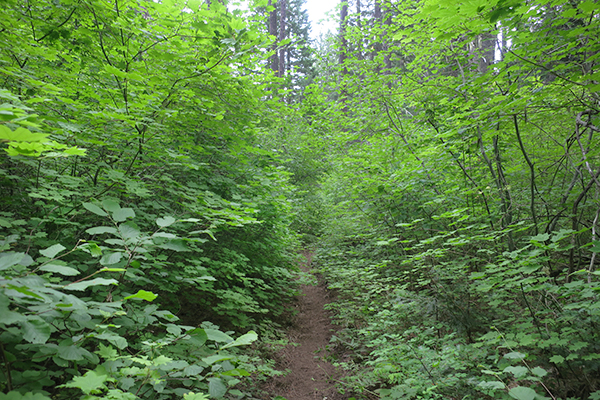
x: 282, y: 17
x: 387, y: 22
x: 359, y: 45
x: 377, y: 23
x: 273, y: 60
x: 343, y: 40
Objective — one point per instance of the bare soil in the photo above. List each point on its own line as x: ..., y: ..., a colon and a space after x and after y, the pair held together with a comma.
x: 311, y: 376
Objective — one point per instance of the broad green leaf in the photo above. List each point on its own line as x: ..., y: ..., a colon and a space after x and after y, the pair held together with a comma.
x: 515, y: 355
x: 52, y: 251
x: 20, y: 135
x: 142, y: 294
x: 71, y: 352
x: 542, y: 237
x: 111, y: 205
x: 83, y: 285
x: 166, y: 221
x: 198, y: 336
x: 111, y: 258
x: 90, y: 381
x: 35, y: 330
x: 14, y: 395
x: 243, y: 340
x: 24, y: 290
x: 518, y: 371
x: 195, y: 396
x: 113, y: 338
x: 122, y: 214
x: 538, y: 371
x: 522, y: 393
x: 557, y: 359
x: 216, y: 388
x: 95, y: 209
x: 492, y: 385
x: 92, y: 248
x: 236, y: 372
x: 98, y: 230
x: 8, y: 260
x: 59, y: 269
x: 210, y: 360
x: 107, y: 352
x: 117, y: 394
x: 129, y: 230
x: 218, y: 336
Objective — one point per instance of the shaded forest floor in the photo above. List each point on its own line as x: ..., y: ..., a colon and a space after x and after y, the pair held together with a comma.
x: 311, y: 377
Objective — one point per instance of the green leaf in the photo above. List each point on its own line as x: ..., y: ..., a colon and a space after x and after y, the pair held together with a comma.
x: 98, y: 230
x: 114, y: 339
x: 195, y: 396
x: 492, y: 385
x: 35, y: 330
x: 14, y: 395
x: 71, y: 352
x: 122, y: 214
x: 542, y: 237
x: 89, y: 382
x: 515, y: 355
x: 216, y: 388
x: 92, y: 248
x: 236, y: 372
x: 111, y: 205
x: 166, y: 221
x: 107, y: 352
x: 83, y: 285
x: 218, y: 336
x: 557, y: 359
x: 143, y: 295
x: 111, y: 258
x: 59, y: 269
x: 20, y: 135
x: 8, y: 260
x: 522, y: 393
x: 52, y: 251
x: 538, y: 371
x: 95, y: 209
x: 518, y: 371
x: 129, y: 230
x: 210, y: 360
x: 243, y: 340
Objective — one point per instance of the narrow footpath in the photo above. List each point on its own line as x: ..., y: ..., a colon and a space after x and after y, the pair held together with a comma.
x: 311, y: 377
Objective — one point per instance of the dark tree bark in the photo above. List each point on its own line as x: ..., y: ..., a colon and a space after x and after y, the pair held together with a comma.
x: 343, y: 40
x: 359, y: 47
x: 282, y: 36
x: 273, y: 60
x: 377, y: 23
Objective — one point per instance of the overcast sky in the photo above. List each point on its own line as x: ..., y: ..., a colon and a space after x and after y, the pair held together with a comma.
x: 317, y: 11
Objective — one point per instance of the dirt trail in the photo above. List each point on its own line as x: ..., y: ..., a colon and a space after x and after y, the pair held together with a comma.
x: 311, y: 377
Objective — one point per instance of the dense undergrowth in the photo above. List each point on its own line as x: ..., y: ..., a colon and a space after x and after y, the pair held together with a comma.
x: 460, y: 204
x: 144, y: 235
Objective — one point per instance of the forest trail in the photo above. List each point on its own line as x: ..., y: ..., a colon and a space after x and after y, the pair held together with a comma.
x: 311, y: 377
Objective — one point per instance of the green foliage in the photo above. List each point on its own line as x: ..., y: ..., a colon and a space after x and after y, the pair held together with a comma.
x: 460, y: 207
x: 94, y: 335
x: 165, y: 215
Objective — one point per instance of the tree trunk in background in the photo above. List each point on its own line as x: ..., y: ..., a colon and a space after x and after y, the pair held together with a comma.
x: 273, y: 60
x: 343, y: 40
x: 282, y: 35
x: 359, y: 45
x: 377, y: 22
x: 485, y: 45
x: 387, y: 23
